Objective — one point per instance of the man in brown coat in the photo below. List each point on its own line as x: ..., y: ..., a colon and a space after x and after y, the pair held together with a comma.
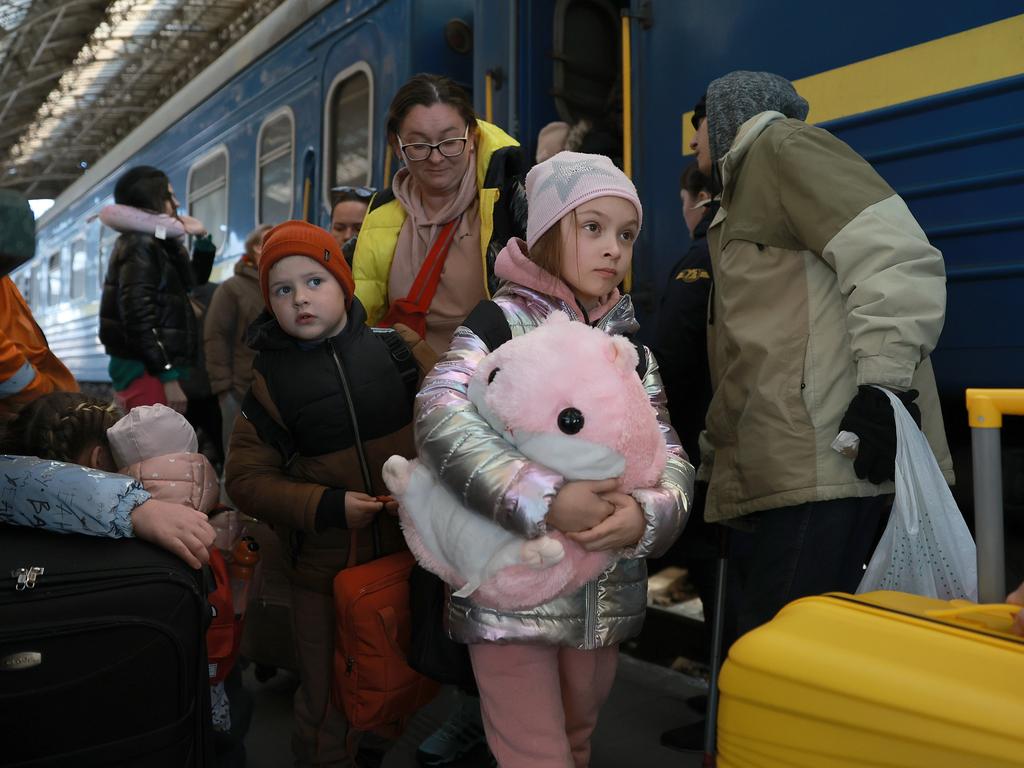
x: 236, y: 303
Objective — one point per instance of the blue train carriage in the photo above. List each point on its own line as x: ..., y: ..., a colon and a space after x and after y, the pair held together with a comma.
x: 295, y: 107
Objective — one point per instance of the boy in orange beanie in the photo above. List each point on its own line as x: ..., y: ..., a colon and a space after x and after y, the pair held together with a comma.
x: 330, y: 401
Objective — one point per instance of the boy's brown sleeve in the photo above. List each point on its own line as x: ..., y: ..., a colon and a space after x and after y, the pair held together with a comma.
x: 256, y: 480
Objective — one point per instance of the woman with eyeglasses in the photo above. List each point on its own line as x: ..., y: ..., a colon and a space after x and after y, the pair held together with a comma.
x: 147, y: 324
x: 425, y: 254
x: 424, y: 259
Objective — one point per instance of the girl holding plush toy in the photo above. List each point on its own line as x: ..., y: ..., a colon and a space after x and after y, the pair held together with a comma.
x: 545, y: 670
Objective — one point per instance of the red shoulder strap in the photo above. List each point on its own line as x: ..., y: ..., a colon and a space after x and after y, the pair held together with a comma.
x: 429, y: 277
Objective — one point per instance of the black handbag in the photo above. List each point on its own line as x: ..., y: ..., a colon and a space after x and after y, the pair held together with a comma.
x: 432, y: 652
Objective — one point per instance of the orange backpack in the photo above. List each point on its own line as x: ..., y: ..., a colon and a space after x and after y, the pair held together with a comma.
x: 224, y: 635
x: 373, y: 682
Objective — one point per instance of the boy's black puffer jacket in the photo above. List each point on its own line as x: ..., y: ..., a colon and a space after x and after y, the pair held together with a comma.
x: 145, y: 313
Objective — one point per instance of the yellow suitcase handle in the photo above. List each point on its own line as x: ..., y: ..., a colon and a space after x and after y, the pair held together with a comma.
x: 999, y: 616
x: 1000, y: 610
x: 986, y: 407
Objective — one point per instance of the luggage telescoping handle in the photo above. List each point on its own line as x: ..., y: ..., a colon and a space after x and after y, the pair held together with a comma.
x: 999, y: 610
x: 717, y: 632
x: 985, y: 411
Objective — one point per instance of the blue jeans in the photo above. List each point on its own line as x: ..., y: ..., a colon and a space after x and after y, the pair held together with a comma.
x: 802, y: 550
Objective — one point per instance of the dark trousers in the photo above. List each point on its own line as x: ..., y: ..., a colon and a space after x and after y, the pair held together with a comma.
x: 797, y: 551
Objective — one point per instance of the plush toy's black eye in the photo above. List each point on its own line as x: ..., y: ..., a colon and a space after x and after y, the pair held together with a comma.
x: 570, y: 421
x: 492, y: 374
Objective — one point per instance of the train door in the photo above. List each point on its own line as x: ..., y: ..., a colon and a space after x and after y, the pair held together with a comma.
x: 350, y: 147
x: 569, y: 71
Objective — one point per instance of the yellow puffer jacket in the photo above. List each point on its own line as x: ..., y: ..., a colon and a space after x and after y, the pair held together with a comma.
x: 502, y: 215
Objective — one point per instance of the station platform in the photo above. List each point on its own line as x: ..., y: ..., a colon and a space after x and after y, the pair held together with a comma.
x: 646, y: 700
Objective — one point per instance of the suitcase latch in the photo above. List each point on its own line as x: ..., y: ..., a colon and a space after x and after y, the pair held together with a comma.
x: 26, y: 577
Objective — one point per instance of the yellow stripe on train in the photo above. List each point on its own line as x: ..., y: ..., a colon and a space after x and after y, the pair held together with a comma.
x: 980, y: 55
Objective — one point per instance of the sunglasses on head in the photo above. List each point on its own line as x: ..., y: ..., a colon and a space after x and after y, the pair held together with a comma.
x: 362, y: 193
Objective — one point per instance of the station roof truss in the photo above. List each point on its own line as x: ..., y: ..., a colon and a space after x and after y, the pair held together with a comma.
x: 76, y: 76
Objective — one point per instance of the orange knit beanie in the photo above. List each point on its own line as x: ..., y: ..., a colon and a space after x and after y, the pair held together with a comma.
x: 300, y: 238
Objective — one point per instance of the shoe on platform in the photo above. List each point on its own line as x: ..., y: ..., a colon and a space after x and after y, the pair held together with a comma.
x: 685, y: 738
x: 698, y: 703
x: 460, y: 734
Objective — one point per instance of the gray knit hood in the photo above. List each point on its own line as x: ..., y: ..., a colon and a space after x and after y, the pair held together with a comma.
x: 736, y: 97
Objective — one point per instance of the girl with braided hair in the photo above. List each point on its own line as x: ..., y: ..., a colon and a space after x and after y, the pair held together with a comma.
x: 59, y: 451
x: 65, y: 426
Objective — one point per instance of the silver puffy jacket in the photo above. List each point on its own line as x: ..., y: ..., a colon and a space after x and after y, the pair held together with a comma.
x: 477, y: 465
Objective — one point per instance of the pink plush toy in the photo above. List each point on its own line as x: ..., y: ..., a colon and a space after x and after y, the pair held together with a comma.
x: 566, y: 396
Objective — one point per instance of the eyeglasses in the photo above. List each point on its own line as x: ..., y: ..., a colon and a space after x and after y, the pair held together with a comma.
x: 418, y: 151
x: 347, y: 192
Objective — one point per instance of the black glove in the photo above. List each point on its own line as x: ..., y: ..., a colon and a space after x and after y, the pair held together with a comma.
x: 871, y: 418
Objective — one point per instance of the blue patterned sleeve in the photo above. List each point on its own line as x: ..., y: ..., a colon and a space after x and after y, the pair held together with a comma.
x: 68, y: 498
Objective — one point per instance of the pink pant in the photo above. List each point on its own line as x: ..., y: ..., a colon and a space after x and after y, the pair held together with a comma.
x: 145, y: 390
x: 540, y: 702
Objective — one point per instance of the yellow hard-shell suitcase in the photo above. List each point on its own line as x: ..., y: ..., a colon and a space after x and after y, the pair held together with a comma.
x: 879, y: 679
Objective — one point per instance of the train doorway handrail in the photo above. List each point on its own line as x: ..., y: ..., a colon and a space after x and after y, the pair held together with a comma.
x: 985, y: 411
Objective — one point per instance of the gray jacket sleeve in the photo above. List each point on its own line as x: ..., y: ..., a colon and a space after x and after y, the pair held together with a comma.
x: 893, y: 281
x: 67, y: 498
x: 470, y: 458
x: 667, y: 506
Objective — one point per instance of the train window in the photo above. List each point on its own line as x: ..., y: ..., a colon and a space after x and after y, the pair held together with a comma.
x: 208, y: 194
x: 274, y: 169
x: 34, y: 297
x: 78, y: 259
x: 349, y: 129
x: 587, y: 58
x: 108, y: 237
x: 54, y: 283
x: 23, y: 280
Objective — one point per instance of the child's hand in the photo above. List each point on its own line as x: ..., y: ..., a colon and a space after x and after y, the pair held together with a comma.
x: 579, y: 505
x: 175, y: 396
x: 182, y: 530
x: 1017, y: 598
x: 360, y: 509
x: 622, y: 528
x: 390, y: 505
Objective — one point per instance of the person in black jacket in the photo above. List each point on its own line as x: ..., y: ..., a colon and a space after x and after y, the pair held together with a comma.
x: 681, y: 348
x: 681, y: 344
x: 147, y: 324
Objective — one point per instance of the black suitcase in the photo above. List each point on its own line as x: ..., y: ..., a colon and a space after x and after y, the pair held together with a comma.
x: 102, y: 654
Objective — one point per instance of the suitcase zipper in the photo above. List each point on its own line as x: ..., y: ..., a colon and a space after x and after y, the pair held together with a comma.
x: 33, y: 634
x: 25, y: 578
x: 65, y: 584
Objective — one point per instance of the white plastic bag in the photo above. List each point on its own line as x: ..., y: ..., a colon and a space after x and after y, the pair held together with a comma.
x: 926, y: 548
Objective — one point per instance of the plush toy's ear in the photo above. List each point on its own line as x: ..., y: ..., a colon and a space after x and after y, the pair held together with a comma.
x: 622, y: 352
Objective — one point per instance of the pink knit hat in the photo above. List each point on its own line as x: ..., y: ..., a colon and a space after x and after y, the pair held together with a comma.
x: 566, y: 181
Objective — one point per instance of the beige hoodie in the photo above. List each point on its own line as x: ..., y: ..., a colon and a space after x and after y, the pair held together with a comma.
x: 462, y: 281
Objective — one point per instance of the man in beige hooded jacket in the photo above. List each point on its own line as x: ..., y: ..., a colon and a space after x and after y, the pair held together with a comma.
x: 824, y: 285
